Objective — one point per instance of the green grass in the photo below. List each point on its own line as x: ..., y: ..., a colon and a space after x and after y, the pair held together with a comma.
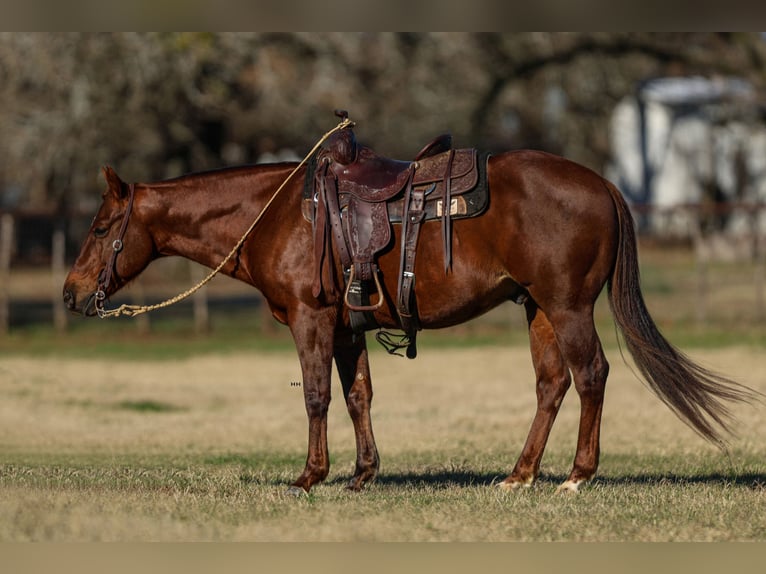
x: 243, y: 497
x: 107, y: 433
x: 129, y: 450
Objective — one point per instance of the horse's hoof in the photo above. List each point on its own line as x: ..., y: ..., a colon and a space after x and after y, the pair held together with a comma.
x: 296, y: 491
x: 354, y: 485
x: 510, y: 486
x: 569, y: 487
x: 358, y: 484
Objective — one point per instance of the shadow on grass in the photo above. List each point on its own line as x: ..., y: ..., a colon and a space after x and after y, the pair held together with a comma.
x: 443, y: 479
x: 754, y: 480
x: 277, y: 468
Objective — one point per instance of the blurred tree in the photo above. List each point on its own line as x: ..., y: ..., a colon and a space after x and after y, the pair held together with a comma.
x: 155, y: 105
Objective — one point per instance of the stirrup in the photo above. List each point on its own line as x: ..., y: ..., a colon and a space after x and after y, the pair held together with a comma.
x: 374, y: 307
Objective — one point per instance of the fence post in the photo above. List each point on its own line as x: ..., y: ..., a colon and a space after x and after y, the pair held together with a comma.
x: 759, y: 255
x: 701, y: 257
x: 58, y: 273
x: 143, y: 322
x: 200, y: 300
x: 6, y: 250
x: 267, y: 324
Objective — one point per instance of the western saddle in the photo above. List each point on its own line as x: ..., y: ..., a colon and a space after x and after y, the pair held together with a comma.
x: 353, y: 196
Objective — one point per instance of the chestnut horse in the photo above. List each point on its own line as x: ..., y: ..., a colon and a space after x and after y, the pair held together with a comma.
x: 554, y: 235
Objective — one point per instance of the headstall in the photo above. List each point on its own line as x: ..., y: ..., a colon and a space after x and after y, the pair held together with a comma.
x: 105, y: 277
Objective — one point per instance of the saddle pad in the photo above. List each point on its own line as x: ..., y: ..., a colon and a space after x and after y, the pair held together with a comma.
x: 431, y: 169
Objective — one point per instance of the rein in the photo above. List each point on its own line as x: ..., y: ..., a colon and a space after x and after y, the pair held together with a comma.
x: 105, y: 276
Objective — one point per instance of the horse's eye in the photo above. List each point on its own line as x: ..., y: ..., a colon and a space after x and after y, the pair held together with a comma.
x: 100, y: 232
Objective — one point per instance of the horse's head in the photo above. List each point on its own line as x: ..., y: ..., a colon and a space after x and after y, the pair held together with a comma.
x: 118, y: 247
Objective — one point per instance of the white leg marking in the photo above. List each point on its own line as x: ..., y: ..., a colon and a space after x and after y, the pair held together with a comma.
x: 569, y: 486
x: 516, y: 485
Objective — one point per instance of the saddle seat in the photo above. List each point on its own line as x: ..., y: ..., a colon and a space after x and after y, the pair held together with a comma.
x: 372, y: 178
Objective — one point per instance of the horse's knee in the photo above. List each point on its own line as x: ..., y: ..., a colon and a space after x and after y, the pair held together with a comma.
x: 317, y: 403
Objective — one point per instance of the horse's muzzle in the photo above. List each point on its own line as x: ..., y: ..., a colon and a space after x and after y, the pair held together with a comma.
x: 87, y: 308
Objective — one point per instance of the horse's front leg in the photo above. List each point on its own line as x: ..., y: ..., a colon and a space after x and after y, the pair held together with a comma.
x: 313, y: 332
x: 354, y: 372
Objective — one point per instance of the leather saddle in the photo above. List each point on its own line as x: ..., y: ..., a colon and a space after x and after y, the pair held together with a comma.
x: 353, y: 196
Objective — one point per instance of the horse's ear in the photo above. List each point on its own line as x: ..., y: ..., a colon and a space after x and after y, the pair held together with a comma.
x: 113, y: 182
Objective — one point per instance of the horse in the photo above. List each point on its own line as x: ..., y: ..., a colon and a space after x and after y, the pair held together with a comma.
x: 554, y: 235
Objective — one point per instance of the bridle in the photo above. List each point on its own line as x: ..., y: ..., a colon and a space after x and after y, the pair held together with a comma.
x: 105, y: 276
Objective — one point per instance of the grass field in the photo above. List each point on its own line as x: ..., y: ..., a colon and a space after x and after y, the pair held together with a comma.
x: 108, y: 435
x: 202, y: 447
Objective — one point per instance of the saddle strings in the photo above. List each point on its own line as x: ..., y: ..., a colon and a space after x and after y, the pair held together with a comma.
x: 393, y: 342
x: 133, y: 310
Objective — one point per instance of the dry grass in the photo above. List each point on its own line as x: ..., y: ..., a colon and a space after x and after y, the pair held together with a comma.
x: 202, y: 448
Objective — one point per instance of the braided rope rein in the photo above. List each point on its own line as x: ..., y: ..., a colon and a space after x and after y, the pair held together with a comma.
x: 133, y: 310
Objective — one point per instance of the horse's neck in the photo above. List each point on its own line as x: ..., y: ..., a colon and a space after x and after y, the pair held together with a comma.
x: 202, y: 217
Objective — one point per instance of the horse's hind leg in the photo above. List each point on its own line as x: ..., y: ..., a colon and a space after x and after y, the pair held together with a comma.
x: 552, y: 382
x: 581, y: 348
x: 354, y: 372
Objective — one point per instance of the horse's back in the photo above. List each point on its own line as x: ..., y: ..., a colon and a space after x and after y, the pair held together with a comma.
x: 538, y: 176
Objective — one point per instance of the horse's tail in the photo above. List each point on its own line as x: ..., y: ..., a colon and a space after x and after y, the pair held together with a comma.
x: 696, y: 395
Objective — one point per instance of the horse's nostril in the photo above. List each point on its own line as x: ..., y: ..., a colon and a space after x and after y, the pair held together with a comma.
x: 68, y: 299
